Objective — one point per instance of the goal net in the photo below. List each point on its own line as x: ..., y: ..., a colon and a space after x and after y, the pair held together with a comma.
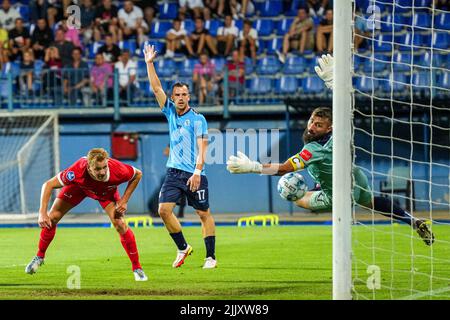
x: 29, y: 155
x: 401, y: 141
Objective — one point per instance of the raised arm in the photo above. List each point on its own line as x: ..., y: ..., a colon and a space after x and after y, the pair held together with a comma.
x: 150, y: 55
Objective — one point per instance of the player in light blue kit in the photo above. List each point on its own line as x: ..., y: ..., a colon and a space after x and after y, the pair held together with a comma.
x: 185, y: 175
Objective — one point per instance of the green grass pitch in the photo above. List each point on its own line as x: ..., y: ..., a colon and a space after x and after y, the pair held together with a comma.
x: 280, y: 262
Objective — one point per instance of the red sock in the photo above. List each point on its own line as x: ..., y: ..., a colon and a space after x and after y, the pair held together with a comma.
x: 129, y: 244
x: 45, y: 239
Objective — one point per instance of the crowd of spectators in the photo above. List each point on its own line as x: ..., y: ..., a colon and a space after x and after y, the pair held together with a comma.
x: 48, y: 38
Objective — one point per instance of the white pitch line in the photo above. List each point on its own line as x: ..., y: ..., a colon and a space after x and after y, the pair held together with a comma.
x: 424, y: 294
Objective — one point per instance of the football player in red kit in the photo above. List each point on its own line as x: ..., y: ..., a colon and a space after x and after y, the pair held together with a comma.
x: 95, y: 176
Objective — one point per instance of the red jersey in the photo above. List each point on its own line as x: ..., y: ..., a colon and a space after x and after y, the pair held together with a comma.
x: 77, y: 174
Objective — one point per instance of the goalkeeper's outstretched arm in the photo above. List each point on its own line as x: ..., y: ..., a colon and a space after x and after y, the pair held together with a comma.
x: 242, y: 164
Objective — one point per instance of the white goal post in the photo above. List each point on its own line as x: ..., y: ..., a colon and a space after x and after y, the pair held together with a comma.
x: 29, y: 155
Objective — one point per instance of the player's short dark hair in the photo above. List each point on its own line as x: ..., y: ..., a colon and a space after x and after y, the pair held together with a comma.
x: 180, y: 84
x: 323, y: 112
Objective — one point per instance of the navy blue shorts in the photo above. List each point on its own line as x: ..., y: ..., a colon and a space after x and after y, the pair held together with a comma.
x: 175, y: 187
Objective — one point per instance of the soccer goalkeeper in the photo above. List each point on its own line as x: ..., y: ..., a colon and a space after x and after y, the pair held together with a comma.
x: 316, y: 157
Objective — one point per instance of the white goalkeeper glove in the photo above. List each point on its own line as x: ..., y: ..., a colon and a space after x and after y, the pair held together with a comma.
x: 325, y: 70
x: 242, y: 164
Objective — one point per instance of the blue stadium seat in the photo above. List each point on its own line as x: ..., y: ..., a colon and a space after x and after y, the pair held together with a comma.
x: 441, y: 40
x: 383, y: 43
x: 365, y: 84
x: 38, y: 67
x: 377, y: 63
x: 293, y: 8
x: 421, y: 79
x: 165, y: 67
x: 186, y: 67
x: 294, y: 65
x: 391, y: 23
x: 212, y: 26
x: 313, y: 84
x: 249, y: 67
x: 159, y: 29
x: 286, y: 85
x: 188, y: 25
x: 219, y: 63
x: 260, y: 85
x: 271, y: 8
x: 424, y: 59
x: 442, y: 21
x: 168, y: 10
x: 160, y: 47
x: 24, y: 12
x: 273, y: 45
x: 443, y: 80
x: 268, y: 65
x: 283, y: 26
x: 422, y: 20
x: 264, y: 27
x: 129, y: 45
x: 422, y: 3
x: 93, y: 47
x: 141, y: 69
x: 145, y: 88
x: 396, y: 81
x: 402, y: 61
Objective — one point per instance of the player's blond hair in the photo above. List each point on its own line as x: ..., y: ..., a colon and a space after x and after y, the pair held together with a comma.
x: 96, y: 154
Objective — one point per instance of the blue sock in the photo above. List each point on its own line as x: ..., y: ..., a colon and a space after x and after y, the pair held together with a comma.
x: 178, y: 238
x: 210, y: 243
x: 387, y: 208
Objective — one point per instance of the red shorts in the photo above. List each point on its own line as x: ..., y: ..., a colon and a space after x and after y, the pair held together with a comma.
x: 73, y: 194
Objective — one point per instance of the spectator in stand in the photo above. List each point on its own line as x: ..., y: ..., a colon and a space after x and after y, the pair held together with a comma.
x: 57, y: 11
x: 316, y: 8
x: 5, y: 70
x: 131, y: 21
x: 64, y: 47
x: 361, y: 30
x: 38, y: 10
x: 226, y: 36
x: 71, y: 32
x: 52, y: 73
x: 127, y: 76
x: 199, y: 37
x: 4, y: 40
x: 324, y: 34
x: 193, y: 7
x: 106, y: 19
x: 110, y: 51
x: 41, y: 38
x: 236, y: 75
x: 300, y: 35
x: 248, y: 41
x: 76, y: 77
x: 210, y: 7
x: 8, y: 15
x: 177, y: 40
x: 102, y: 81
x: 19, y: 40
x: 26, y: 73
x: 244, y: 8
x: 204, y: 79
x: 87, y: 18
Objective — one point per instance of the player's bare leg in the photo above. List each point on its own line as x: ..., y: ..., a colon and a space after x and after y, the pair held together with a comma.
x: 174, y: 227
x: 58, y: 210
x: 209, y: 236
x: 127, y: 239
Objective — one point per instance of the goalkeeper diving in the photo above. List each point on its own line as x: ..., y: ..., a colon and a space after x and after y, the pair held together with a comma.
x: 316, y: 157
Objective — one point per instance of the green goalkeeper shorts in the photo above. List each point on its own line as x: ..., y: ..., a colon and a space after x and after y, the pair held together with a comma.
x: 361, y: 194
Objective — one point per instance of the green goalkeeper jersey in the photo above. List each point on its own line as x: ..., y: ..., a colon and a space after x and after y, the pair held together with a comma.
x: 317, y: 158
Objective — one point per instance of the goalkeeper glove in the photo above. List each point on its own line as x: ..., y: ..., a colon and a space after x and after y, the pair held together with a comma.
x: 242, y: 164
x: 325, y: 70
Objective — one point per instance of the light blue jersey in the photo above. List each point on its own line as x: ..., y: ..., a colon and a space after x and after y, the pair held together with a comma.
x: 184, y: 131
